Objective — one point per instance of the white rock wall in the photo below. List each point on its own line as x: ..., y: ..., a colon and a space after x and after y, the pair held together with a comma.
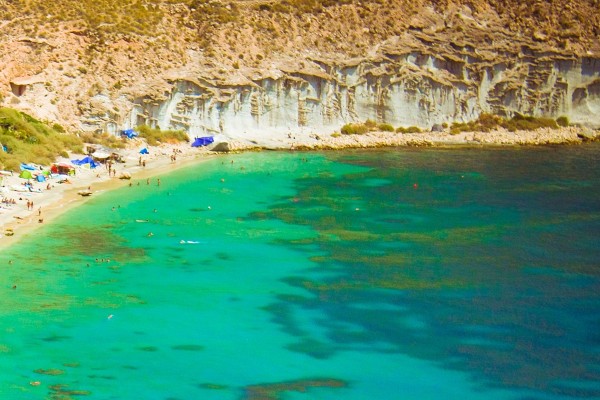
x: 415, y: 89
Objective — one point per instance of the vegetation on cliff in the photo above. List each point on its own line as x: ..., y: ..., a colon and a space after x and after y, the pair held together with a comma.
x: 488, y: 122
x: 485, y: 123
x: 155, y: 136
x: 25, y: 139
x: 324, y: 24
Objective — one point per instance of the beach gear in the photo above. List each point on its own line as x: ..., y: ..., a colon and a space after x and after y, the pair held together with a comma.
x: 27, y: 167
x: 86, y: 160
x: 25, y: 174
x: 130, y: 133
x: 144, y: 151
x: 62, y: 168
x: 203, y: 141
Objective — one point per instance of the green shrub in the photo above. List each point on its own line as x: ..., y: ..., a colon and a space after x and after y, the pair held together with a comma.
x: 58, y: 128
x: 528, y: 123
x: 370, y: 124
x: 29, y: 140
x: 104, y: 139
x: 488, y: 122
x: 410, y: 129
x: 154, y: 136
x: 562, y: 121
x: 386, y: 128
x: 354, y: 129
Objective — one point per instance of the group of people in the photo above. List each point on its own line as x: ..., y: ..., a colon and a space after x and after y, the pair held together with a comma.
x: 7, y: 201
x: 111, y: 170
x: 174, y: 155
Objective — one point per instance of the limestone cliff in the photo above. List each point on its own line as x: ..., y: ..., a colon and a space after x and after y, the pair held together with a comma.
x: 243, y: 68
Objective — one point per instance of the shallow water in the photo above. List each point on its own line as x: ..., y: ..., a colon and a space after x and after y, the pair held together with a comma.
x: 397, y: 274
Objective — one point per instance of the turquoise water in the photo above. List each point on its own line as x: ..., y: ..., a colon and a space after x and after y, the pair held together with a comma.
x: 397, y: 274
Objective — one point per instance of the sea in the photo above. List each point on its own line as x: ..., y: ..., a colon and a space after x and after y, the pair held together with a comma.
x: 400, y: 274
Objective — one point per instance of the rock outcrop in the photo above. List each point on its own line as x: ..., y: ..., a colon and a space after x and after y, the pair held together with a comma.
x: 267, y: 69
x: 400, y: 88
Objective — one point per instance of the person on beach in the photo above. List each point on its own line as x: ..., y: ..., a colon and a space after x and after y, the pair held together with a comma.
x: 147, y: 181
x: 158, y: 182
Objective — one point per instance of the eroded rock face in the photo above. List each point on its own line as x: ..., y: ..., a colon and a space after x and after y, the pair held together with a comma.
x: 402, y: 89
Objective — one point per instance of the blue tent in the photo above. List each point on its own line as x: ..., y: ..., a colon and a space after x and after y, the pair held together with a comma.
x: 86, y: 160
x: 144, y: 151
x: 130, y: 133
x: 203, y: 141
x: 40, y: 178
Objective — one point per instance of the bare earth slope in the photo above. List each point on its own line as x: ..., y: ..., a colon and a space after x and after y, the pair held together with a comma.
x: 244, y: 67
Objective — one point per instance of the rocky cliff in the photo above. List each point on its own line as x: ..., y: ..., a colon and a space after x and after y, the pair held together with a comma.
x: 293, y: 67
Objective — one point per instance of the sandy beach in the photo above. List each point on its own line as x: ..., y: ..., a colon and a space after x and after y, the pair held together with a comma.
x: 18, y: 219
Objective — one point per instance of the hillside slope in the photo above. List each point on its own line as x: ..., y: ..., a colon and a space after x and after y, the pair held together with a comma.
x: 246, y: 67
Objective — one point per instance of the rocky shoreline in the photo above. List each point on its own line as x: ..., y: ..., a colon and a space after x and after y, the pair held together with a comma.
x: 500, y: 137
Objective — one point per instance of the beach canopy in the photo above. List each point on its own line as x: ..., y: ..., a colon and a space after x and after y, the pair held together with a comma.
x: 101, y: 155
x: 130, y: 133
x: 26, y: 174
x: 203, y: 141
x: 144, y: 151
x: 86, y: 160
x: 40, y: 178
x: 61, y: 168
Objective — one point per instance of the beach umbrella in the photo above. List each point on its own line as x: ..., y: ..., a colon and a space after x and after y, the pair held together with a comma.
x: 40, y: 178
x: 144, y: 151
